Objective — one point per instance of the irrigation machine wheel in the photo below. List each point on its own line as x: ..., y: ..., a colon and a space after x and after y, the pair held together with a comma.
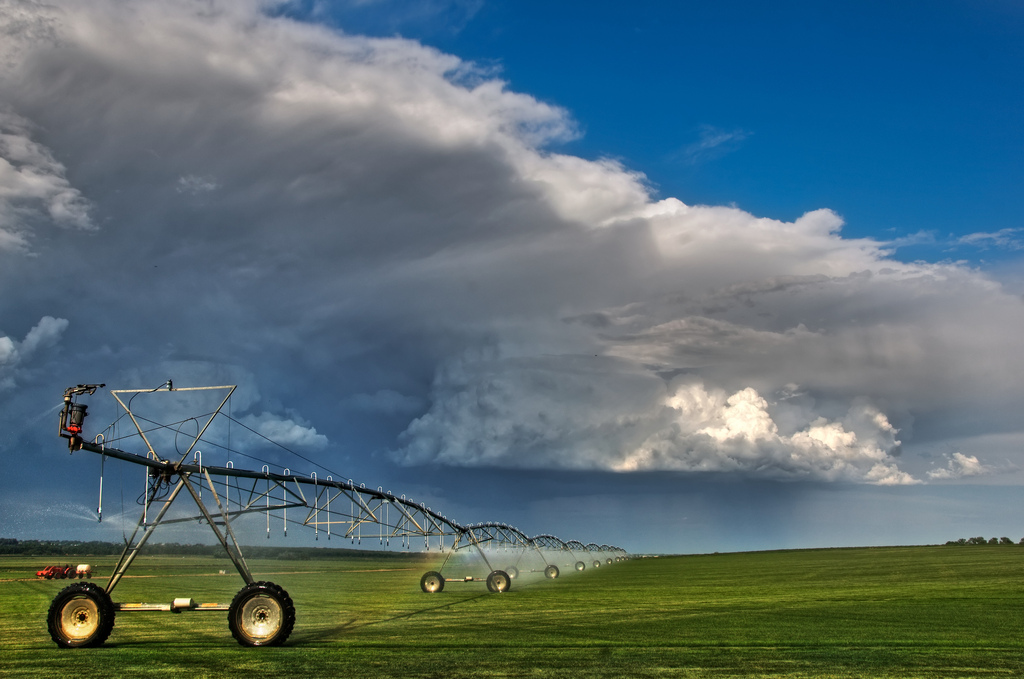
x: 261, y: 614
x: 432, y: 582
x: 551, y: 572
x: 580, y: 566
x: 499, y: 581
x: 513, y: 572
x: 80, y: 616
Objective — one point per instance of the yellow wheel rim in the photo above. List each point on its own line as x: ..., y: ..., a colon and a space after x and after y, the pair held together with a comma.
x: 79, y: 619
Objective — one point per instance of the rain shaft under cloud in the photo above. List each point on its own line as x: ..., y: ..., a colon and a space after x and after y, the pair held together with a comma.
x: 377, y: 222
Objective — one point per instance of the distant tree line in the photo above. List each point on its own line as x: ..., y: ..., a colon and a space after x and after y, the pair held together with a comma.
x: 984, y: 541
x: 96, y: 548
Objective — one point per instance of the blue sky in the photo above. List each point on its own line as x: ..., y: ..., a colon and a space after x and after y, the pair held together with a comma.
x: 672, y: 276
x: 901, y: 117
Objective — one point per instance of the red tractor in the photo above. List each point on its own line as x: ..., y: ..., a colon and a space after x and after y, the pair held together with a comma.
x: 57, y: 572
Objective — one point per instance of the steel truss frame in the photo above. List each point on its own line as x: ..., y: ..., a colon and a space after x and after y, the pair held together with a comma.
x: 335, y: 507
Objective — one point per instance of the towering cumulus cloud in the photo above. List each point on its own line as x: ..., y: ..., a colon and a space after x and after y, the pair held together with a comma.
x: 371, y: 213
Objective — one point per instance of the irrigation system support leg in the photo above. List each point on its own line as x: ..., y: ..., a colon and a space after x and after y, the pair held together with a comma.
x: 130, y: 550
x: 497, y: 581
x: 476, y: 543
x: 236, y: 555
x: 550, y: 570
x: 240, y: 563
x: 455, y: 548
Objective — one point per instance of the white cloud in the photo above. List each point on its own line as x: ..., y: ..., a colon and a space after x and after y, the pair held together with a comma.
x: 593, y: 193
x: 592, y: 413
x: 714, y: 143
x: 1008, y: 239
x: 715, y: 432
x: 44, y: 334
x: 960, y: 466
x: 193, y: 184
x: 286, y: 431
x: 33, y: 187
x: 15, y: 355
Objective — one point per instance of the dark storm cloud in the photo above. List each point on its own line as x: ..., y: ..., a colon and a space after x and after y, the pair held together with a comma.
x: 381, y: 223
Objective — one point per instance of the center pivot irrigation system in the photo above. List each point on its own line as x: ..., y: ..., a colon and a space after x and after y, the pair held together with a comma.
x: 262, y: 613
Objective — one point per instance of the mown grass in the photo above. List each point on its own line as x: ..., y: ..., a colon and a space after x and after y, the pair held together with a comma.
x: 883, y: 612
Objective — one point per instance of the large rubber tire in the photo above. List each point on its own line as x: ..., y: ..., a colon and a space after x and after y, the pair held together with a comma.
x: 580, y: 566
x: 513, y: 572
x: 499, y: 581
x: 551, y: 572
x: 80, y: 616
x: 432, y: 582
x: 261, y: 614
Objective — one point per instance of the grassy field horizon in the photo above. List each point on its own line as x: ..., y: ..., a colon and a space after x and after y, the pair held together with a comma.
x: 940, y: 611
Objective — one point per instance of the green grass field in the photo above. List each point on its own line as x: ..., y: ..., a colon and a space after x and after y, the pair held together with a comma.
x: 882, y: 612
